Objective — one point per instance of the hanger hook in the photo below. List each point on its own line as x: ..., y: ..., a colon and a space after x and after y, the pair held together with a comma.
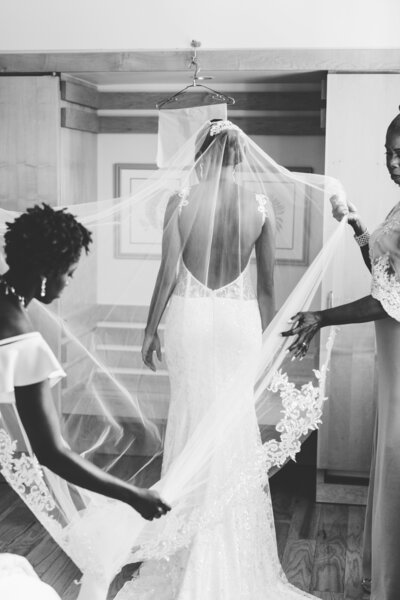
x: 195, y: 61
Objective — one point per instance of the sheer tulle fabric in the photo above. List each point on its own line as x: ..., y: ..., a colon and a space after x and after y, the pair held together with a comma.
x: 223, y: 379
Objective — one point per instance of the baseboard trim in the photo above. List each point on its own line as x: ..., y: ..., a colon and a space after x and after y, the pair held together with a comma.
x: 339, y: 493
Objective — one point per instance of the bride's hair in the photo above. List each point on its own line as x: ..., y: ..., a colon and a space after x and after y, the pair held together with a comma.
x: 44, y: 238
x: 228, y: 137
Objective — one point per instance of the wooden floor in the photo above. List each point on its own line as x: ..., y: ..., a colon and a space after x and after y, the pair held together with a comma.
x: 319, y: 544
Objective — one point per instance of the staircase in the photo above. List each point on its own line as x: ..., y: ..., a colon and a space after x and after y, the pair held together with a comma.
x: 125, y: 362
x: 116, y: 335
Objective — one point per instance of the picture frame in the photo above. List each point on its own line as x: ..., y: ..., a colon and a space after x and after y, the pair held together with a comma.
x: 293, y: 218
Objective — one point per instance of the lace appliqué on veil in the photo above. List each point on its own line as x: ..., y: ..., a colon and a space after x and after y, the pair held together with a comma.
x: 385, y: 286
x: 262, y: 202
x: 302, y: 412
x: 25, y: 476
x: 183, y: 195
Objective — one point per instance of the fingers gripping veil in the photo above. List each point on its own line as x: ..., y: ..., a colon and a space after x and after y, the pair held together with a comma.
x: 196, y: 273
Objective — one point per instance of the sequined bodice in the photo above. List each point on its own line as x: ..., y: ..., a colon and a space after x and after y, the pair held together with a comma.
x: 239, y: 289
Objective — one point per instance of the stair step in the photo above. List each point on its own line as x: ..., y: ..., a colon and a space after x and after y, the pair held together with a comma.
x: 120, y: 348
x: 125, y: 325
x: 144, y: 372
x: 130, y: 356
x: 128, y: 333
x: 136, y: 381
x: 79, y: 400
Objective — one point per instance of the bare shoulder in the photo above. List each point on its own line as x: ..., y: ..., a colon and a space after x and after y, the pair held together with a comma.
x: 182, y: 193
x: 250, y: 199
x: 13, y: 321
x: 175, y: 202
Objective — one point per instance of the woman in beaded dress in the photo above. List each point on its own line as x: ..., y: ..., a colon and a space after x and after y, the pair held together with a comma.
x: 381, y: 253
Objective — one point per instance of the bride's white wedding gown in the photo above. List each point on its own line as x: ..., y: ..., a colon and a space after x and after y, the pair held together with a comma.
x: 213, y: 338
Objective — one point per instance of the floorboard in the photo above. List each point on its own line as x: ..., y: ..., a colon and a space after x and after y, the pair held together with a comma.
x: 319, y: 545
x: 353, y: 569
x: 330, y: 551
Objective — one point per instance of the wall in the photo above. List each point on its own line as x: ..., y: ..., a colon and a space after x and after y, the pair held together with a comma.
x: 78, y: 167
x: 124, y: 24
x: 125, y: 148
x: 78, y: 185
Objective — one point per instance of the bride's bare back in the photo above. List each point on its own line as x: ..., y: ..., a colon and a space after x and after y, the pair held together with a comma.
x: 219, y: 229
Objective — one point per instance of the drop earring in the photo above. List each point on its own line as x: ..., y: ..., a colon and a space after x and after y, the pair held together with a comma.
x: 43, y: 287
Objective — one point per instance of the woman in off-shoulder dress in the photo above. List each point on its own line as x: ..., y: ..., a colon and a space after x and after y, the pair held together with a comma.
x: 42, y: 248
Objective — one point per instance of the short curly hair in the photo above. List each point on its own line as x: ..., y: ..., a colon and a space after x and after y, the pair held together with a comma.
x: 394, y: 126
x: 45, y: 239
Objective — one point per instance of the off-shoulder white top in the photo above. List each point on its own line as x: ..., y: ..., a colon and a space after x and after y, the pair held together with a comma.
x: 26, y: 359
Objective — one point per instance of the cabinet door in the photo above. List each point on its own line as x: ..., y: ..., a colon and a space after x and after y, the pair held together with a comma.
x: 359, y: 109
x: 29, y: 149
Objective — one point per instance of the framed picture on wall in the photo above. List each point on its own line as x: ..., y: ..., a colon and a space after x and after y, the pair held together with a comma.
x: 136, y: 238
x: 292, y: 212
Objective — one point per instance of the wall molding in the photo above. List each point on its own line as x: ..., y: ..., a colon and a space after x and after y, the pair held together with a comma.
x: 82, y: 120
x: 351, y: 60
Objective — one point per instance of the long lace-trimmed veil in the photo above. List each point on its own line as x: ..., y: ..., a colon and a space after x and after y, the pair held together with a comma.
x: 113, y: 410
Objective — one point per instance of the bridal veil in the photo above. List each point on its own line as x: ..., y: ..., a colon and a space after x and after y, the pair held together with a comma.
x: 113, y: 410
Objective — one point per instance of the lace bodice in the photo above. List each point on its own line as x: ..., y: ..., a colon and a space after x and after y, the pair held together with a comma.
x: 384, y: 248
x: 190, y: 287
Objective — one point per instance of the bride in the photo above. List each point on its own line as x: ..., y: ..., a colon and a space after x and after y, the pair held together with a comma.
x: 213, y: 335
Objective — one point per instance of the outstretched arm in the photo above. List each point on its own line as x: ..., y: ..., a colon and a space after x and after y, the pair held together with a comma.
x: 306, y: 324
x: 165, y: 282
x: 339, y: 210
x: 265, y: 257
x: 35, y: 407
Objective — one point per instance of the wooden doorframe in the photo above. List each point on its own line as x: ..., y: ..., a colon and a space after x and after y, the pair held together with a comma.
x: 354, y: 60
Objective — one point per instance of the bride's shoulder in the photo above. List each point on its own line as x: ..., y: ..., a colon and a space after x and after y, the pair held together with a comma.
x: 247, y: 193
x: 181, y: 193
x: 251, y: 198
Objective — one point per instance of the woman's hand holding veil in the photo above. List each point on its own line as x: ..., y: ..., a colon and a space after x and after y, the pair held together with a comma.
x: 341, y: 209
x: 305, y: 326
x: 149, y: 504
x: 151, y: 344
